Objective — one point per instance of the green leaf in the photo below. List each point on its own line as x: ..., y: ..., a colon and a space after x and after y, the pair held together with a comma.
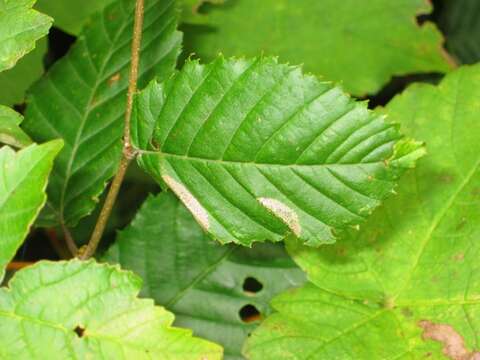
x: 83, y: 310
x: 459, y: 22
x: 408, y: 284
x: 71, y: 15
x: 23, y: 177
x: 200, y: 281
x: 256, y: 150
x: 361, y: 46
x: 82, y: 100
x: 20, y: 27
x: 15, y: 82
x: 190, y: 10
x: 10, y: 132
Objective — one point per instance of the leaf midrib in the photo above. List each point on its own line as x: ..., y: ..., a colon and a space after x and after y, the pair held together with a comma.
x: 229, y: 162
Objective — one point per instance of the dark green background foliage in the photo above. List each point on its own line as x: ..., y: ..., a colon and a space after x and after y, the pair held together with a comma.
x: 306, y: 181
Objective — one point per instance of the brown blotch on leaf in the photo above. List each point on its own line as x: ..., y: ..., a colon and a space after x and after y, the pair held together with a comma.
x: 459, y: 257
x: 115, y: 78
x: 453, y: 343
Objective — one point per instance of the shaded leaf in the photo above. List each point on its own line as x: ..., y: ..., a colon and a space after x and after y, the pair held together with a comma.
x: 256, y: 150
x: 408, y: 284
x: 459, y: 22
x: 82, y: 310
x: 82, y: 100
x: 20, y: 27
x: 191, y: 8
x: 71, y: 15
x: 10, y: 132
x: 362, y: 46
x: 15, y: 82
x: 201, y: 282
x: 23, y: 178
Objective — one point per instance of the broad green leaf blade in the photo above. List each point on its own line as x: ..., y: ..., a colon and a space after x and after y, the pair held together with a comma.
x: 10, y: 132
x: 23, y: 178
x: 15, y: 82
x: 20, y: 27
x: 200, y: 281
x: 361, y: 46
x: 71, y: 15
x: 416, y: 260
x: 84, y: 310
x: 459, y: 22
x: 82, y: 100
x: 191, y: 8
x: 256, y: 150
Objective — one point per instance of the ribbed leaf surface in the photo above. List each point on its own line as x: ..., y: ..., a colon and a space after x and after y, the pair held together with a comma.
x: 257, y: 150
x: 20, y: 27
x: 23, y: 178
x: 83, y: 310
x: 82, y: 100
x: 408, y: 285
x: 201, y: 282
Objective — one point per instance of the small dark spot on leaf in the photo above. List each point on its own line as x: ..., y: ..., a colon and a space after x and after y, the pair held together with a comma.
x: 461, y: 224
x: 115, y: 78
x: 446, y: 178
x: 459, y: 257
x: 252, y: 286
x: 476, y: 192
x: 407, y: 312
x: 79, y: 331
x: 249, y: 313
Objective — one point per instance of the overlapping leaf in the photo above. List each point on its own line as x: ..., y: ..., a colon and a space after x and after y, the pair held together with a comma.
x: 256, y: 150
x: 407, y: 287
x: 20, y: 27
x: 82, y: 100
x: 15, y: 82
x: 71, y: 16
x: 459, y: 21
x: 23, y: 178
x: 83, y: 310
x: 201, y: 282
x: 10, y: 132
x: 361, y: 45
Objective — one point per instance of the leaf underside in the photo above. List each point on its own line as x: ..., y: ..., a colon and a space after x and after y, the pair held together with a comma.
x: 23, y: 178
x: 20, y: 28
x: 201, y: 282
x: 407, y: 286
x: 360, y: 46
x: 82, y: 101
x: 83, y: 310
x: 256, y: 150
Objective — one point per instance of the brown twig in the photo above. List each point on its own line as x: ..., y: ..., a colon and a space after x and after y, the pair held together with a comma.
x: 18, y: 265
x: 59, y: 246
x: 128, y: 152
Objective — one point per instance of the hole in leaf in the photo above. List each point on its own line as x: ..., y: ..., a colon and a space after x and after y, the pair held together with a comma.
x: 79, y: 331
x: 249, y: 313
x: 252, y: 285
